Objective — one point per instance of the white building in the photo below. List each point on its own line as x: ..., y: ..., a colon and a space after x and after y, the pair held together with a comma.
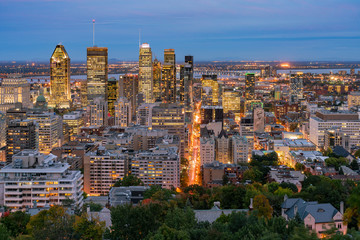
x: 123, y: 114
x: 35, y: 177
x: 207, y: 150
x: 347, y: 121
x: 157, y: 167
x: 240, y: 148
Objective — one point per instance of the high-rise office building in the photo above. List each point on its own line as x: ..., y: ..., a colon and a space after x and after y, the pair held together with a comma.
x: 157, y: 79
x: 146, y: 73
x: 113, y: 95
x: 231, y: 102
x: 20, y: 135
x: 169, y: 77
x: 97, y: 73
x: 296, y: 87
x: 129, y: 88
x: 170, y: 117
x: 210, y: 94
x: 50, y: 130
x: 123, y: 112
x: 60, y: 95
x: 98, y: 112
x: 14, y: 89
x: 250, y: 86
x: 186, y: 86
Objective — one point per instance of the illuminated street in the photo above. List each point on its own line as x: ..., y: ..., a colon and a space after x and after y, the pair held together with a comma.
x: 194, y: 161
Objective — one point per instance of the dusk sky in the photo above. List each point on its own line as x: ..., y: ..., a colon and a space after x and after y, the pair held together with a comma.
x: 208, y: 29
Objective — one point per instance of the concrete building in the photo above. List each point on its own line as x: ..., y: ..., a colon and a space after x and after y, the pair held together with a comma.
x: 144, y: 114
x: 14, y: 90
x: 50, y: 130
x: 207, y: 150
x: 75, y: 121
x: 170, y: 117
x: 157, y: 167
x: 20, y: 135
x: 223, y: 148
x: 102, y: 168
x: 98, y: 112
x: 239, y: 149
x: 247, y: 130
x: 347, y: 121
x: 123, y: 112
x: 35, y: 177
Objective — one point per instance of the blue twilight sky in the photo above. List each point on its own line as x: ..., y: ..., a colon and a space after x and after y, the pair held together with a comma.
x: 208, y: 29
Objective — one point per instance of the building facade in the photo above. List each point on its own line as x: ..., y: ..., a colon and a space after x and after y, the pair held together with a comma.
x: 60, y: 95
x: 97, y: 73
x: 14, y: 90
x: 146, y: 73
x: 20, y: 135
x: 43, y: 180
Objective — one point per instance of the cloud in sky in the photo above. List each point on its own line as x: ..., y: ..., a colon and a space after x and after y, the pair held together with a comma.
x: 208, y: 29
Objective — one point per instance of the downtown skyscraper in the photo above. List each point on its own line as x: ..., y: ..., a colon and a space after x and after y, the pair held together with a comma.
x: 186, y: 85
x: 296, y: 87
x: 169, y: 77
x: 97, y: 73
x: 146, y: 73
x: 60, y: 95
x: 250, y: 86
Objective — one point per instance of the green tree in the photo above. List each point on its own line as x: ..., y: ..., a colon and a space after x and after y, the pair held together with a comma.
x: 352, y: 213
x: 336, y: 162
x: 225, y: 179
x: 157, y: 193
x: 354, y: 165
x: 16, y: 223
x: 54, y: 223
x: 94, y: 207
x: 136, y: 222
x: 262, y: 207
x: 86, y: 229
x: 129, y: 180
x: 4, y: 233
x: 299, y: 167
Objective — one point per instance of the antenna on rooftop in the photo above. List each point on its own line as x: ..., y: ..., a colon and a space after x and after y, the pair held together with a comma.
x: 93, y: 32
x: 139, y: 38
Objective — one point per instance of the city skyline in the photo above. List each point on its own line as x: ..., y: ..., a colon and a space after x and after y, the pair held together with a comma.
x: 232, y: 30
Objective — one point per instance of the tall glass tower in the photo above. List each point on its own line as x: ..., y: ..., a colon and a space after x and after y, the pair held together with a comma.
x: 60, y: 95
x: 146, y: 73
x: 250, y: 86
x: 97, y: 73
x: 169, y: 77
